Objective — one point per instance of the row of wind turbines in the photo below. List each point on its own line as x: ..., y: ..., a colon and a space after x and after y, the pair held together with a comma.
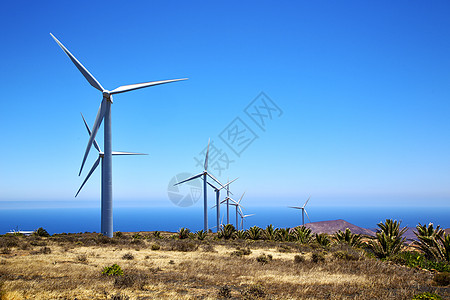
x: 105, y: 157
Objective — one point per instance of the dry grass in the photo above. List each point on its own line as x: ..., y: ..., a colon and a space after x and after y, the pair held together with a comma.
x: 190, y: 269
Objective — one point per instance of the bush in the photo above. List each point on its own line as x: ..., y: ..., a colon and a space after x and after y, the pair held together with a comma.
x: 118, y: 234
x: 284, y: 248
x: 318, y: 257
x: 322, y: 239
x: 415, y: 259
x: 184, y: 246
x: 133, y: 279
x: 427, y: 296
x: 43, y: 250
x: 224, y: 292
x: 157, y: 235
x: 241, y: 234
x: 156, y: 247
x: 183, y: 233
x: 41, y: 232
x: 240, y: 252
x: 82, y: 258
x: 136, y: 236
x: 113, y: 270
x: 442, y: 278
x: 299, y: 259
x: 344, y: 255
x: 227, y: 232
x: 255, y: 291
x: 128, y: 256
x: 264, y: 259
x: 389, y: 239
x: 348, y: 237
x: 201, y: 235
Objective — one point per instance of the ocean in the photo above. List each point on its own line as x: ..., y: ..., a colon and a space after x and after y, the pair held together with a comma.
x: 72, y: 220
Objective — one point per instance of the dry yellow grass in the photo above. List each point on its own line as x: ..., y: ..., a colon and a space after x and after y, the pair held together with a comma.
x: 73, y: 270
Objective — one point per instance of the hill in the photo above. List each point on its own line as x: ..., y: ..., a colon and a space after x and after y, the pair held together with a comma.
x: 330, y: 227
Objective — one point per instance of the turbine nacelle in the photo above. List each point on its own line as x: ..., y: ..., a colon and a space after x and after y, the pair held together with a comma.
x: 107, y: 95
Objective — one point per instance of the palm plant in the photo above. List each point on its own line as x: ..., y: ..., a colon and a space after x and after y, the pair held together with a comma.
x: 201, y: 234
x: 389, y: 239
x: 41, y: 232
x: 183, y: 233
x: 433, y: 242
x: 241, y: 234
x: 270, y: 232
x: 254, y: 233
x: 283, y: 235
x: 226, y: 232
x: 322, y: 239
x: 302, y: 234
x: 348, y: 237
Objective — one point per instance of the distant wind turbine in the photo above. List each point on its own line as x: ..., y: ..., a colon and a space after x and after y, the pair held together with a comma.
x: 217, y: 191
x: 243, y: 217
x: 238, y: 205
x: 303, y: 211
x: 104, y: 112
x: 227, y: 200
x: 205, y: 175
x: 100, y: 157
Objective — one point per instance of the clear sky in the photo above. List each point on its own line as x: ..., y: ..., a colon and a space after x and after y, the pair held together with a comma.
x: 359, y: 92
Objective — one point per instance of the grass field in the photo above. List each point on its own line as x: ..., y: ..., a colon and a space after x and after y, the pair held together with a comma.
x: 70, y: 267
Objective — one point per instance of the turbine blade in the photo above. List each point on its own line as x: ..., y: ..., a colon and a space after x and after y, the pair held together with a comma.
x: 241, y: 198
x: 89, y: 174
x: 227, y: 184
x: 211, y: 185
x: 296, y: 207
x: 307, y: 215
x: 189, y: 179
x: 97, y: 123
x: 249, y: 215
x: 89, y: 130
x: 206, y: 157
x: 214, y: 178
x: 131, y: 87
x: 80, y: 67
x: 306, y: 201
x: 127, y: 153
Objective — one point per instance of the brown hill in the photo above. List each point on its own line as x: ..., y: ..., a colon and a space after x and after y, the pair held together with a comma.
x: 331, y: 227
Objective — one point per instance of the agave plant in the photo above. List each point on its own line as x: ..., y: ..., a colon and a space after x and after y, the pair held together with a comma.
x: 283, y: 235
x: 201, y: 234
x: 226, y: 232
x: 322, y: 239
x: 270, y: 233
x: 183, y: 233
x: 433, y: 242
x: 254, y: 233
x: 41, y: 232
x: 389, y: 239
x: 348, y: 237
x: 241, y: 234
x: 302, y: 234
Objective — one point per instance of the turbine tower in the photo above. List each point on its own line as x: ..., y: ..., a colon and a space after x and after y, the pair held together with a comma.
x: 241, y: 213
x: 303, y: 211
x: 104, y: 112
x: 238, y: 206
x: 100, y: 157
x: 217, y: 206
x: 205, y: 173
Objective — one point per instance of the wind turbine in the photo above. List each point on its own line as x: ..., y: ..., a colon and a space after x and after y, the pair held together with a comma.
x: 227, y: 200
x: 303, y: 211
x: 205, y: 173
x: 100, y: 157
x: 104, y: 112
x: 217, y: 191
x: 238, y: 205
x: 243, y: 217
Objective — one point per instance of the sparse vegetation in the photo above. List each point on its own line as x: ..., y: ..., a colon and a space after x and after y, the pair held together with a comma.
x: 41, y: 232
x: 389, y: 239
x: 183, y: 233
x: 113, y: 270
x: 427, y: 296
x: 201, y: 235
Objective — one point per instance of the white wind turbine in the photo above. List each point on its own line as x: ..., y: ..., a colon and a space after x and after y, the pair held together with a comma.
x: 243, y: 217
x: 217, y: 191
x: 238, y: 206
x: 205, y: 173
x: 100, y: 156
x: 227, y: 201
x: 303, y: 211
x: 104, y: 112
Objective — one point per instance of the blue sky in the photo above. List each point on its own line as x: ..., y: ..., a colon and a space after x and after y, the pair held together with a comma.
x: 363, y: 87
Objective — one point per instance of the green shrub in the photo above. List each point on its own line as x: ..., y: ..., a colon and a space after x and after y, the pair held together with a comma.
x: 345, y: 255
x: 389, y: 239
x: 183, y: 233
x: 118, y: 234
x: 227, y: 232
x: 157, y: 235
x: 270, y: 233
x: 427, y: 296
x: 41, y: 232
x: 254, y: 233
x: 415, y: 259
x: 433, y: 242
x: 156, y: 247
x: 302, y: 234
x: 201, y: 235
x: 136, y: 236
x: 283, y: 235
x: 241, y: 234
x: 348, y: 237
x: 322, y: 239
x: 113, y: 270
x: 442, y: 278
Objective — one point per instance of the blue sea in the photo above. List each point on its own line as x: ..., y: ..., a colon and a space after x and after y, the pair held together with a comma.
x: 72, y: 220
